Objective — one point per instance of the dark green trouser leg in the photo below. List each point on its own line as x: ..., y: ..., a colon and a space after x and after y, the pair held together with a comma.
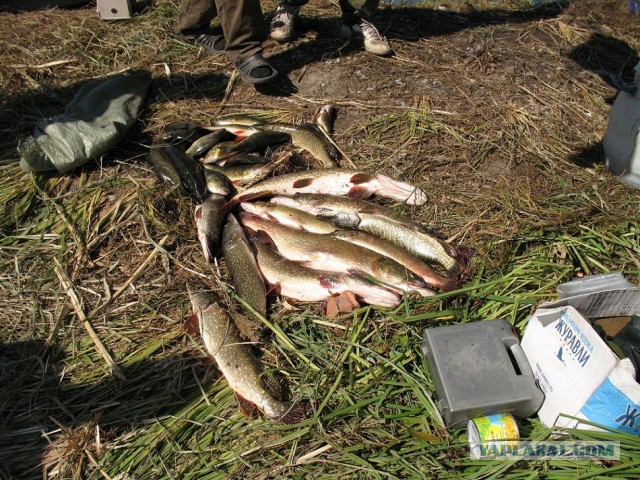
x: 244, y: 28
x: 352, y: 9
x: 195, y: 15
x: 242, y: 23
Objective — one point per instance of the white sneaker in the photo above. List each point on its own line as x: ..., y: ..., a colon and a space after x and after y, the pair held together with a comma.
x: 373, y: 41
x: 282, y: 23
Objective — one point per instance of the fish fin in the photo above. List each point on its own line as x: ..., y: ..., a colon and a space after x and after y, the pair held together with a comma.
x: 303, y: 182
x: 273, y: 386
x: 327, y: 281
x: 296, y: 412
x: 259, y: 236
x: 273, y: 219
x: 345, y: 302
x: 192, y: 324
x: 357, y: 272
x: 359, y: 193
x: 247, y: 407
x: 463, y: 257
x: 359, y: 178
x: 274, y: 289
x: 231, y: 203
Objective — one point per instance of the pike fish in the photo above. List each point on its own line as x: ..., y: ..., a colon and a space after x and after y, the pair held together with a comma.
x: 335, y: 181
x: 310, y: 138
x: 289, y: 217
x: 305, y: 284
x: 244, y: 270
x: 236, y: 361
x: 400, y: 255
x: 382, y: 222
x: 189, y: 170
x: 210, y: 218
x: 165, y: 169
x: 322, y: 252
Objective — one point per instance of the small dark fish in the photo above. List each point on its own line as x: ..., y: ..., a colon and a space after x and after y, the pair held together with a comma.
x: 243, y: 159
x: 238, y: 119
x: 325, y: 119
x: 210, y: 218
x: 191, y: 172
x: 259, y: 140
x: 205, y: 143
x: 242, y: 174
x: 218, y: 183
x: 165, y: 169
x: 219, y: 152
x: 183, y: 132
x: 310, y: 138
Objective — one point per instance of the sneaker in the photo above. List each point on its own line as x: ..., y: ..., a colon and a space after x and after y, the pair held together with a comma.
x: 373, y: 41
x: 282, y: 23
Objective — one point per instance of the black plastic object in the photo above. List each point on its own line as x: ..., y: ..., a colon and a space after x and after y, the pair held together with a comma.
x: 480, y: 369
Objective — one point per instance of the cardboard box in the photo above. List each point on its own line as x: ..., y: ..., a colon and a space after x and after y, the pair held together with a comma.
x: 575, y: 368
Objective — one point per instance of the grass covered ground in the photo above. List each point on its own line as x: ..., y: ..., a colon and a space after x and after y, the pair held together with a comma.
x: 495, y: 109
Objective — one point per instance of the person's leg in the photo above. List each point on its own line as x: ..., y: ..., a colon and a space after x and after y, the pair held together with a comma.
x: 283, y: 22
x: 245, y: 29
x: 193, y: 22
x: 355, y: 25
x: 195, y: 16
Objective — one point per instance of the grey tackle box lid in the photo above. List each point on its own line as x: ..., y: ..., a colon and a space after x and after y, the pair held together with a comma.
x: 480, y: 369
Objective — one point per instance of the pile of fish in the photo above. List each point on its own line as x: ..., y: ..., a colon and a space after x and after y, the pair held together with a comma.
x: 309, y: 235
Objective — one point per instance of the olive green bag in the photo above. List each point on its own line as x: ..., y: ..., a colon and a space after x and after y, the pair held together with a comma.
x: 96, y: 120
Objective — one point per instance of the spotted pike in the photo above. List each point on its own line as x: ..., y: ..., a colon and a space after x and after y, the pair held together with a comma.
x: 236, y: 361
x: 305, y: 284
x: 322, y: 252
x: 244, y: 270
x: 335, y: 181
x: 310, y: 138
x: 210, y: 218
x: 289, y: 217
x: 165, y: 169
x: 382, y: 222
x: 400, y: 255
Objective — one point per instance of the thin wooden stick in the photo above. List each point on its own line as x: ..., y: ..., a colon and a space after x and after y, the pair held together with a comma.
x: 75, y: 302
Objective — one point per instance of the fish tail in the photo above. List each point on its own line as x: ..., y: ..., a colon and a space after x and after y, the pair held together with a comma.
x: 463, y: 256
x: 401, y: 191
x: 295, y: 412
